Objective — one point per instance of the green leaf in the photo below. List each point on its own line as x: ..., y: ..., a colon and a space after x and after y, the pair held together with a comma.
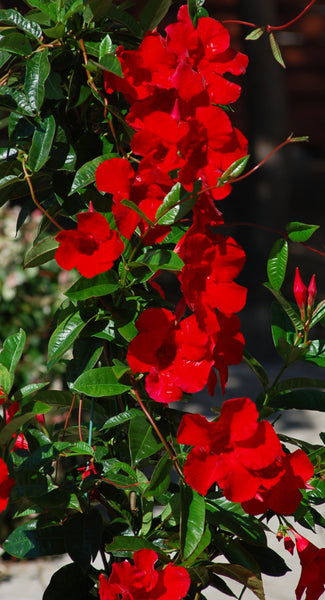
x: 277, y: 263
x: 142, y: 441
x: 131, y: 544
x: 41, y: 253
x: 316, y: 353
x: 6, y: 380
x: 121, y: 16
x: 256, y: 367
x: 41, y: 143
x: 105, y: 46
x: 86, y: 174
x: 299, y: 399
x: 243, y: 576
x: 110, y: 63
x: 69, y: 582
x: 318, y: 313
x: 83, y: 536
x: 137, y: 210
x: 173, y: 207
x: 27, y: 390
x: 48, y: 8
x: 255, y: 34
x: 276, y: 50
x: 245, y: 527
x: 192, y: 520
x: 7, y: 153
x: 13, y: 426
x: 15, y: 18
x: 157, y: 259
x: 160, y: 478
x: 122, y: 418
x: 79, y: 449
x: 12, y: 350
x: 29, y: 541
x: 170, y: 200
x: 235, y: 169
x: 300, y: 232
x: 100, y: 285
x: 96, y: 10
x: 202, y: 545
x: 15, y: 100
x: 153, y: 12
x: 37, y: 71
x: 86, y: 352
x: 288, y: 309
x: 196, y: 11
x: 99, y: 382
x: 15, y: 43
x: 281, y: 325
x: 8, y: 180
x: 63, y: 336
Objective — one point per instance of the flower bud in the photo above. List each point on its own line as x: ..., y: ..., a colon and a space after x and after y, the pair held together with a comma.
x: 300, y: 292
x: 311, y: 292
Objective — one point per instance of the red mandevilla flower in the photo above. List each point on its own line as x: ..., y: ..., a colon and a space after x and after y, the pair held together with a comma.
x: 300, y: 292
x: 312, y: 560
x: 91, y: 248
x: 6, y: 485
x: 176, y: 356
x: 142, y: 581
x: 245, y: 458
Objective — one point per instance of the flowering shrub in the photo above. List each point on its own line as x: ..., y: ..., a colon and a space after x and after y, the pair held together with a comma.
x: 122, y: 136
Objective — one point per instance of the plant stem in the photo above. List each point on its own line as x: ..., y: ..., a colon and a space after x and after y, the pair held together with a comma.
x: 32, y: 193
x: 270, y: 28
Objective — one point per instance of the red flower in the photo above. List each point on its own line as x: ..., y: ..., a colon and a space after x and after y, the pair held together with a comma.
x: 3, y: 396
x: 312, y: 560
x: 176, y: 356
x: 300, y: 291
x: 141, y: 581
x: 91, y: 248
x: 6, y: 484
x: 232, y: 451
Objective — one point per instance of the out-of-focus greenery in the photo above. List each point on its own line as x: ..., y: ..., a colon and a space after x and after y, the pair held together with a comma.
x: 29, y: 297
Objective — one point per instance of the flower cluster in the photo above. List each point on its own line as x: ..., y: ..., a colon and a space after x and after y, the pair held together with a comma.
x: 304, y: 295
x: 244, y: 456
x: 141, y: 581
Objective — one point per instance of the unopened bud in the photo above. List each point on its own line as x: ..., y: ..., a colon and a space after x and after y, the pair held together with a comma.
x: 312, y: 291
x: 300, y: 292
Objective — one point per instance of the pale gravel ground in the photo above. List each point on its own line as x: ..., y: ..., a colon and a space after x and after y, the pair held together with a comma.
x: 28, y: 580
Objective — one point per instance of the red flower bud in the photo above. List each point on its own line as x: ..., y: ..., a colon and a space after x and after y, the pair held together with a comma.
x: 312, y: 291
x: 300, y: 291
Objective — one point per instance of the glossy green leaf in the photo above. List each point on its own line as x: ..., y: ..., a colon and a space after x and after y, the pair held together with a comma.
x: 15, y: 43
x: 131, y: 544
x: 55, y: 397
x: 69, y: 582
x: 86, y: 174
x: 41, y: 253
x: 86, y: 352
x: 281, y: 325
x: 153, y: 12
x: 12, y: 350
x: 122, y: 418
x: 170, y: 200
x: 63, y: 336
x: 316, y: 353
x: 160, y: 478
x: 142, y: 441
x: 13, y: 426
x: 99, y: 382
x: 256, y: 367
x: 83, y: 536
x: 37, y: 71
x: 105, y: 46
x: 159, y: 258
x: 318, y: 313
x: 110, y: 63
x: 121, y: 16
x: 6, y: 380
x: 15, y: 100
x: 202, y: 545
x: 8, y: 180
x: 277, y: 263
x: 299, y: 399
x: 287, y: 307
x: 276, y: 50
x: 28, y: 390
x: 243, y: 576
x: 300, y: 232
x: 295, y: 383
x: 100, y: 285
x: 173, y: 207
x: 192, y: 520
x: 235, y: 170
x: 15, y: 18
x: 196, y: 11
x: 29, y: 541
x: 7, y: 153
x: 244, y: 526
x: 97, y: 10
x: 49, y: 8
x: 42, y: 143
x: 255, y: 34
